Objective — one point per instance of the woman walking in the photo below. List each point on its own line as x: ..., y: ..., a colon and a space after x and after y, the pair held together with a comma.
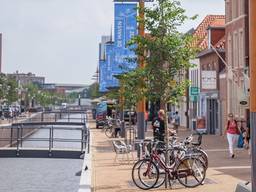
x: 233, y: 133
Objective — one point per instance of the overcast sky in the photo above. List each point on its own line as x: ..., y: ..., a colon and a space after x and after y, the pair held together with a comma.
x: 59, y: 39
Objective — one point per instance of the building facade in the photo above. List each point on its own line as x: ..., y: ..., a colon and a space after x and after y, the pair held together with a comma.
x: 237, y: 57
x: 24, y: 79
x: 204, y: 90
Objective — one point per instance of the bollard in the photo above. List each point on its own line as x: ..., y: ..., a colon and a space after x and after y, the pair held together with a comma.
x: 244, y: 187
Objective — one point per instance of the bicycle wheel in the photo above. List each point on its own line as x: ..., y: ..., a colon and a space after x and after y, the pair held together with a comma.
x: 203, y: 157
x: 200, y: 154
x: 145, y: 174
x: 191, y: 172
x: 108, y: 132
x: 161, y: 178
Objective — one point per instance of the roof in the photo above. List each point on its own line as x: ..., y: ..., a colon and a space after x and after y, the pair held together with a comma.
x: 201, y: 31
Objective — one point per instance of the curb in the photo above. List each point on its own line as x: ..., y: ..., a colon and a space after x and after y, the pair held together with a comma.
x: 86, y: 174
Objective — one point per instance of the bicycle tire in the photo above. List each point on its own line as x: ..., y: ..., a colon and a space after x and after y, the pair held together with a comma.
x: 108, y: 132
x: 184, y: 169
x: 204, y: 158
x: 202, y: 155
x: 137, y: 171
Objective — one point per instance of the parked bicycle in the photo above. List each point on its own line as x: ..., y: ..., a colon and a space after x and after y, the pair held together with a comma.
x: 186, y: 164
x: 112, y: 127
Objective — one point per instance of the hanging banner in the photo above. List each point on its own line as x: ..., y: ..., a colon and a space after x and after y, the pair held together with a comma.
x: 111, y: 81
x: 125, y: 29
x: 102, y: 76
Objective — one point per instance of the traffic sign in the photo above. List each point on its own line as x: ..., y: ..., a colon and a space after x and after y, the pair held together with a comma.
x: 194, y: 91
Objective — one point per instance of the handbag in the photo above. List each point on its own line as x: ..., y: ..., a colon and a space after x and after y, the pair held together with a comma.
x: 240, y: 143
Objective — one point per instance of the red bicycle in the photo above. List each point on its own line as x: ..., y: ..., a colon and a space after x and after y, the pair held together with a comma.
x: 152, y: 171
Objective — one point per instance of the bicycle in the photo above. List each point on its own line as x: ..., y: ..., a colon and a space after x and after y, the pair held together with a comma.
x: 152, y: 170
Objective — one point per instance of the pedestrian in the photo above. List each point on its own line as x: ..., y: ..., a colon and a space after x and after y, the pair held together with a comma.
x: 233, y: 133
x: 117, y: 131
x: 176, y: 121
x: 158, y: 126
x: 241, y: 139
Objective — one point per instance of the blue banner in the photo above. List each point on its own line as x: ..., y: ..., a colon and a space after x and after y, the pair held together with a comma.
x: 103, y: 75
x: 111, y: 81
x: 125, y: 29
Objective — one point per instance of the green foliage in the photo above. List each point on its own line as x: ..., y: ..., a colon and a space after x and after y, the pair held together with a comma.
x: 166, y: 52
x: 8, y: 89
x: 43, y: 97
x: 93, y: 91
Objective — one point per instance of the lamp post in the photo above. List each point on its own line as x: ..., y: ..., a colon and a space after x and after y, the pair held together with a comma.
x: 141, y: 104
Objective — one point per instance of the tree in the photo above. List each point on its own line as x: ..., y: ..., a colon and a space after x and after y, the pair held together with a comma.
x: 12, y: 93
x: 9, y: 89
x: 93, y: 91
x: 166, y: 52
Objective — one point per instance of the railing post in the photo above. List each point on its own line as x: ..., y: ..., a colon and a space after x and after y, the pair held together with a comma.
x: 82, y: 139
x: 11, y: 135
x: 88, y: 140
x: 18, y: 141
x: 52, y: 135
x: 50, y: 146
x: 21, y: 134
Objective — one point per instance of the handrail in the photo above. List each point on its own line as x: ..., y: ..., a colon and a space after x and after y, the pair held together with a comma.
x: 18, y: 139
x: 48, y: 123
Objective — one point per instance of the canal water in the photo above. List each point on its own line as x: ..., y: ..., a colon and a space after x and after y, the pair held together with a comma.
x: 42, y: 174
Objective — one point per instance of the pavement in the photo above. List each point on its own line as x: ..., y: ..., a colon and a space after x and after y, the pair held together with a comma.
x: 22, y: 117
x: 223, y: 173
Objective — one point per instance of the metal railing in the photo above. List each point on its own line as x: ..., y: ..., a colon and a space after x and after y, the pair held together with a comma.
x: 21, y: 132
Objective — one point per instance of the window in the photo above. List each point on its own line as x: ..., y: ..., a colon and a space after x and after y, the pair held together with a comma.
x: 241, y: 7
x: 228, y: 11
x: 235, y: 50
x: 241, y: 49
x: 230, y: 51
x: 234, y: 8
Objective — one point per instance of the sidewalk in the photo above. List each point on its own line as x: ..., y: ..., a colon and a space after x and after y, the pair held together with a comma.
x: 24, y: 116
x: 114, y: 177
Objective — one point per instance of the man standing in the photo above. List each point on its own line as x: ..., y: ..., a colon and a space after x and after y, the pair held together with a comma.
x: 158, y: 126
x: 176, y: 121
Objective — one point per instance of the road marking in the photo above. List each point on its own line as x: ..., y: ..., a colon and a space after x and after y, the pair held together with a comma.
x: 232, y: 167
x: 221, y: 150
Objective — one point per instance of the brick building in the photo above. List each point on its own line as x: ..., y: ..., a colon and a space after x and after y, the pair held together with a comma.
x: 210, y: 38
x: 237, y: 57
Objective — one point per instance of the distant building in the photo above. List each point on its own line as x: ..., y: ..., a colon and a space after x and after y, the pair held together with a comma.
x: 24, y: 79
x: 0, y: 53
x: 64, y: 88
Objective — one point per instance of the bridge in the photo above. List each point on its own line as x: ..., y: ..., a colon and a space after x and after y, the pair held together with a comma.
x: 54, y: 148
